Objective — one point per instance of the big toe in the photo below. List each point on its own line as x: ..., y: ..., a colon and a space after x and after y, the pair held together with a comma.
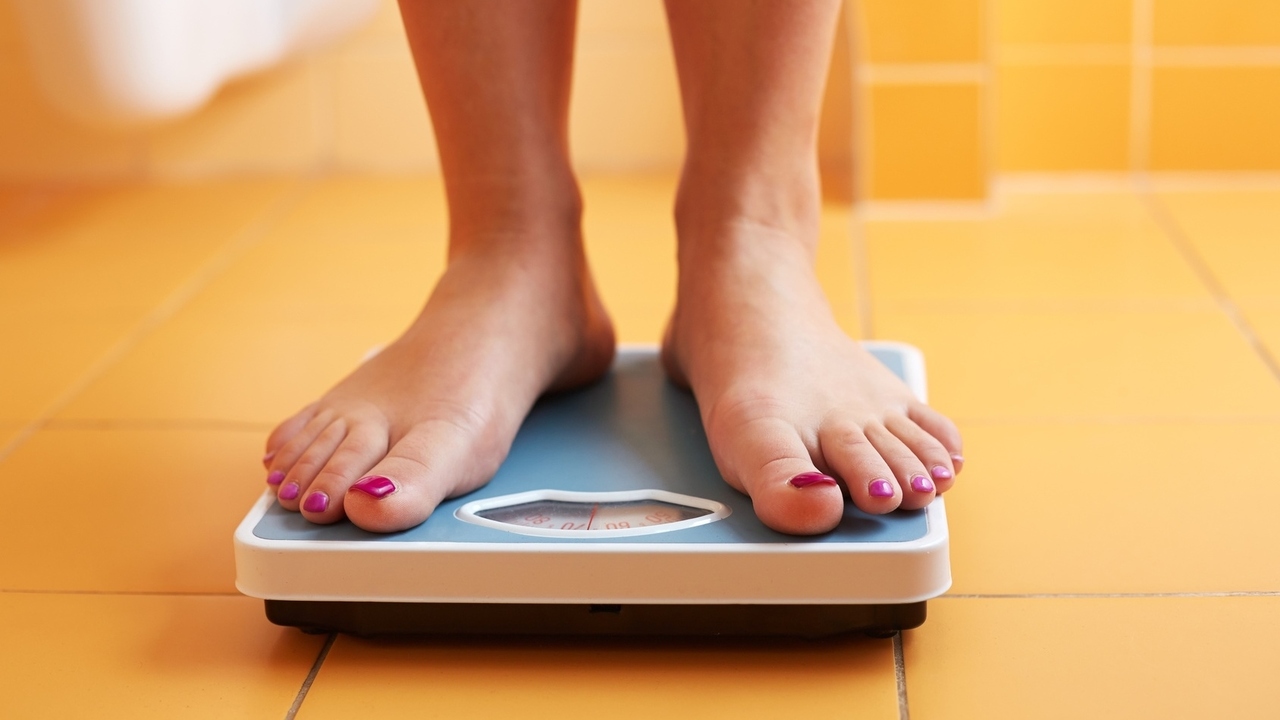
x: 434, y: 461
x: 767, y: 459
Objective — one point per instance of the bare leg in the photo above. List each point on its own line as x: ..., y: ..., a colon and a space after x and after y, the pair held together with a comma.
x: 788, y: 400
x: 515, y: 313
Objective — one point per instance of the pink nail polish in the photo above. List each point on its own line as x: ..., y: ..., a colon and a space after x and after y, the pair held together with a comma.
x: 267, y: 458
x: 880, y: 488
x: 275, y: 477
x: 957, y: 458
x: 316, y: 502
x: 921, y: 484
x: 804, y: 480
x: 289, y: 492
x: 375, y: 485
x: 940, y: 473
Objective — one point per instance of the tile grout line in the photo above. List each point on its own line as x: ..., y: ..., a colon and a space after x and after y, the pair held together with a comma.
x: 158, y: 424
x: 1088, y: 596
x: 118, y: 593
x: 861, y: 116
x: 1183, y: 56
x: 1059, y: 420
x: 861, y: 275
x: 240, y: 243
x: 990, y: 124
x: 311, y: 677
x: 900, y: 676
x: 1183, y: 245
x: 1140, y: 82
x: 1217, y: 56
x: 1054, y: 305
x: 959, y: 73
x: 1126, y: 181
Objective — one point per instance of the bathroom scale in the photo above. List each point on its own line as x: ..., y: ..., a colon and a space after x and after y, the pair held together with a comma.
x: 608, y: 517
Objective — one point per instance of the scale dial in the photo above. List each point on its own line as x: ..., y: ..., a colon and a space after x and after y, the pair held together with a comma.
x: 563, y: 513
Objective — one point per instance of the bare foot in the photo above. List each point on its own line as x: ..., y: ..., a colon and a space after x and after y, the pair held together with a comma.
x: 433, y: 415
x: 787, y: 399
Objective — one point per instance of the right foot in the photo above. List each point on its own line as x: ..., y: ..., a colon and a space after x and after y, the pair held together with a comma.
x: 433, y: 415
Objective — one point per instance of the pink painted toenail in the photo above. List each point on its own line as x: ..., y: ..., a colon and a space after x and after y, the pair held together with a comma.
x: 275, y: 477
x: 375, y: 485
x: 316, y: 502
x: 958, y: 458
x: 880, y: 488
x: 804, y: 480
x: 267, y: 458
x: 289, y: 492
x: 941, y: 473
x: 921, y: 484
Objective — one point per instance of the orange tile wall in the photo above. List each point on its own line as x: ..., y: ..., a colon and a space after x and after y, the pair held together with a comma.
x: 1137, y: 85
x: 927, y: 100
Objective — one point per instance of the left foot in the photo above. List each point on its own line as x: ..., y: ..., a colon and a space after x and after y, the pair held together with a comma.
x: 789, y: 402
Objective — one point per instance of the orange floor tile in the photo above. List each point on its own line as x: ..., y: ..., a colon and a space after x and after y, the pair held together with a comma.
x: 1103, y: 657
x: 1111, y: 359
x: 1234, y: 237
x: 852, y: 678
x: 137, y: 656
x: 1264, y: 320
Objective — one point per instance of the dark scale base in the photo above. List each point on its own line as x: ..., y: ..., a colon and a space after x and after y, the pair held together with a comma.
x: 391, y: 618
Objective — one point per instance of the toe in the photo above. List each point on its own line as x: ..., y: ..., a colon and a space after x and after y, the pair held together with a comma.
x: 433, y: 461
x: 285, y: 432
x: 363, y: 446
x: 917, y: 488
x: 942, y: 429
x: 870, y: 480
x: 931, y: 453
x: 293, y: 491
x: 767, y: 460
x: 283, y: 459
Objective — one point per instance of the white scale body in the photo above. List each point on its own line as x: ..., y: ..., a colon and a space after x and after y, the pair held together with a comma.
x: 608, y: 517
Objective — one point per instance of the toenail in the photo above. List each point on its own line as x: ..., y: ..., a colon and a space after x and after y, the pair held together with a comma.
x: 375, y: 485
x: 275, y: 477
x: 941, y: 473
x: 804, y: 480
x: 880, y: 488
x: 921, y: 484
x: 958, y: 458
x: 289, y: 492
x: 316, y: 502
x: 267, y: 458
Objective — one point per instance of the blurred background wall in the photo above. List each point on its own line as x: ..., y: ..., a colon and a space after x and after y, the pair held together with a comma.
x: 927, y: 100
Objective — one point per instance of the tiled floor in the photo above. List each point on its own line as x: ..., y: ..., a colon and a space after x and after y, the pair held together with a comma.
x: 1111, y: 358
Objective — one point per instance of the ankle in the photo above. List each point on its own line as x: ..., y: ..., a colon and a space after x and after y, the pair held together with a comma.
x: 722, y: 207
x: 767, y: 225
x: 546, y: 208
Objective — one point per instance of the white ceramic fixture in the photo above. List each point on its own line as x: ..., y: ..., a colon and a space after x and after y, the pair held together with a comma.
x: 113, y: 62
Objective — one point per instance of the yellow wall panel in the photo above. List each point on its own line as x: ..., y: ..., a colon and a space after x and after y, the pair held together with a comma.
x: 1215, y: 118
x: 1232, y: 22
x: 263, y: 124
x: 625, y: 109
x: 835, y: 127
x: 36, y: 143
x: 915, y: 31
x: 927, y: 142
x: 1062, y: 117
x: 625, y: 105
x: 380, y: 120
x: 1063, y: 22
x: 385, y: 27
x: 635, y: 20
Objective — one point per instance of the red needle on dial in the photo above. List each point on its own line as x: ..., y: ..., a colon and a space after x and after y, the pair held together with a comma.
x: 593, y: 514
